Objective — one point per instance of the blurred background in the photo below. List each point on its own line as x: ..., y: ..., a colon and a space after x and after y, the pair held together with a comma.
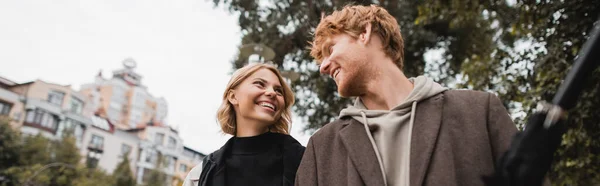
x: 126, y: 92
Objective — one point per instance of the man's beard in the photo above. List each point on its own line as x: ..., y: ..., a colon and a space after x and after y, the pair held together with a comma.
x: 355, y: 83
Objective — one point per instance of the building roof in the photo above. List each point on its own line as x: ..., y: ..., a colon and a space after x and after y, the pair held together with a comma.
x: 6, y: 82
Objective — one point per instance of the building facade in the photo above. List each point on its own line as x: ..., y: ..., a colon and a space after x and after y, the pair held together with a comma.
x: 50, y: 109
x: 125, y: 99
x: 110, y: 119
x: 11, y: 103
x: 105, y: 145
x: 162, y: 148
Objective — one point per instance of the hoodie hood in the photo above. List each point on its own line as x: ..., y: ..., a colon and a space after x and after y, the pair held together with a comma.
x: 389, y: 131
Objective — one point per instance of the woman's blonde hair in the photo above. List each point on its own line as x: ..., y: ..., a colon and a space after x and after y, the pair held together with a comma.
x: 226, y: 113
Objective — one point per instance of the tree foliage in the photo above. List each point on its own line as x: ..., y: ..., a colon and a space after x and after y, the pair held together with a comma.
x: 9, y: 151
x: 520, y: 50
x: 555, y: 32
x: 36, y: 160
x: 156, y: 176
x: 123, y: 174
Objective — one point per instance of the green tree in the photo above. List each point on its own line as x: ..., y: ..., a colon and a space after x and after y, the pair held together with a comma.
x: 10, y: 143
x: 156, y: 176
x: 66, y: 152
x: 93, y: 177
x: 286, y: 26
x: 35, y: 150
x: 42, y: 161
x: 520, y: 50
x: 34, y: 154
x: 555, y: 31
x: 35, y: 160
x: 123, y: 174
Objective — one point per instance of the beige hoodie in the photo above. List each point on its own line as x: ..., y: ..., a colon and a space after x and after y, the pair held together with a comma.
x: 390, y: 130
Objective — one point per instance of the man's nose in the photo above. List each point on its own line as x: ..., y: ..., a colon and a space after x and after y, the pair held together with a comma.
x: 324, y: 68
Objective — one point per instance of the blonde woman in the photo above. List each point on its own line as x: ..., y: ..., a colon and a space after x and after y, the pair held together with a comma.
x: 256, y: 111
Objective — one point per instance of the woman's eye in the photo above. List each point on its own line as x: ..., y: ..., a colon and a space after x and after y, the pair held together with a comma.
x: 259, y: 84
x: 279, y: 91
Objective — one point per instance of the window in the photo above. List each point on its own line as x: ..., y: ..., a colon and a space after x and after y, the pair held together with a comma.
x: 151, y: 156
x: 148, y: 158
x: 56, y: 97
x: 118, y: 95
x: 182, y: 168
x: 42, y: 118
x: 76, y: 105
x: 114, y: 114
x: 170, y: 162
x: 79, y: 133
x: 172, y: 143
x: 4, y: 108
x: 159, y: 138
x: 92, y: 159
x: 139, y: 100
x: 125, y: 149
x: 75, y: 127
x: 97, y: 142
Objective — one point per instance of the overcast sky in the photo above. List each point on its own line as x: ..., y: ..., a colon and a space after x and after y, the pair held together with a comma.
x: 183, y: 50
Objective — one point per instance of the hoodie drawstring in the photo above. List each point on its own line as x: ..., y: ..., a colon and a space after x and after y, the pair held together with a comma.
x: 409, y: 136
x: 364, y: 116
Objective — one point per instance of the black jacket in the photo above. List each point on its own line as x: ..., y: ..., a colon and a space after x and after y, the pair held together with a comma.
x: 213, y: 165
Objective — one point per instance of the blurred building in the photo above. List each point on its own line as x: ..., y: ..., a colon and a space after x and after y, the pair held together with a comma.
x: 163, y: 143
x: 49, y: 109
x: 110, y: 118
x: 11, y: 103
x: 189, y: 159
x: 125, y: 99
x: 105, y: 146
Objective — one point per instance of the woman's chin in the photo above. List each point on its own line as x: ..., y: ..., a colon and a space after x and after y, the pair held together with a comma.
x: 268, y: 120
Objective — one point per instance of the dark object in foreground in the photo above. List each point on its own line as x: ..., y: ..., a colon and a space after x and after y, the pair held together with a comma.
x: 531, y: 152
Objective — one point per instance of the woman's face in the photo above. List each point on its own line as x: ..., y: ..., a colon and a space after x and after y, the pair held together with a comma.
x: 258, y: 99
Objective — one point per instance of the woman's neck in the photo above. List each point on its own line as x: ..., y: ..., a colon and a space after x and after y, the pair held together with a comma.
x: 249, y: 130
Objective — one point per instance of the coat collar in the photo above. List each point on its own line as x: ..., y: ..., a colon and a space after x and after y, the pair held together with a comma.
x: 361, y: 152
x: 428, y: 117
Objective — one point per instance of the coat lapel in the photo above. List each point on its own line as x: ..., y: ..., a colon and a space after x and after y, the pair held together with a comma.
x: 361, y: 152
x: 428, y: 118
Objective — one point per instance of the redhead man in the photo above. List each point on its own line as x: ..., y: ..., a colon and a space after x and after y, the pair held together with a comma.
x: 400, y: 131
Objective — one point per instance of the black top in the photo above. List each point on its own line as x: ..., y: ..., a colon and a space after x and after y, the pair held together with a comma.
x: 267, y: 159
x: 255, y: 160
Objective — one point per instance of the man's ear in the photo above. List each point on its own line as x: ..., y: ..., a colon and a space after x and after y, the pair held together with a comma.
x: 231, y: 97
x: 365, y: 37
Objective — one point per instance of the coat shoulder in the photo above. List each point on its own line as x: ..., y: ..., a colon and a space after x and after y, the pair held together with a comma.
x: 330, y: 130
x: 467, y: 95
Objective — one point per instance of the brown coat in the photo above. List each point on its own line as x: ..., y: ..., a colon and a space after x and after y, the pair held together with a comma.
x: 456, y: 138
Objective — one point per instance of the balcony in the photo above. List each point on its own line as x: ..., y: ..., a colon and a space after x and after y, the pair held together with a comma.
x: 38, y: 126
x: 96, y: 147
